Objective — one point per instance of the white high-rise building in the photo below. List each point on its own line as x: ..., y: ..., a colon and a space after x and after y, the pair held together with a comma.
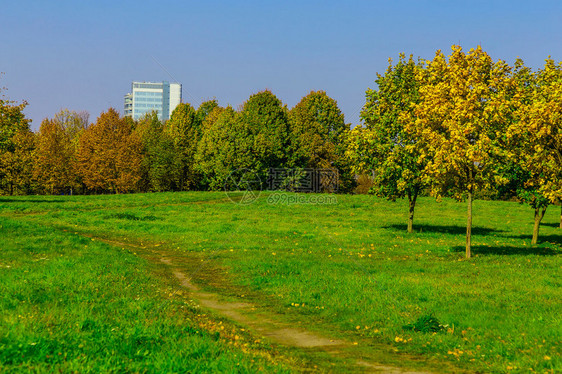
x: 145, y: 97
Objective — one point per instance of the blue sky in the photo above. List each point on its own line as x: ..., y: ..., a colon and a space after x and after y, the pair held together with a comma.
x: 83, y: 55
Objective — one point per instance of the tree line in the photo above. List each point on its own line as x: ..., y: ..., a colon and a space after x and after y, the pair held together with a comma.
x: 462, y: 126
x: 196, y: 149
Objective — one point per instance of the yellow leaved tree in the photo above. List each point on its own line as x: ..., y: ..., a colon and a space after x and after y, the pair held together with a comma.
x: 535, y: 140
x: 55, y: 156
x: 464, y: 108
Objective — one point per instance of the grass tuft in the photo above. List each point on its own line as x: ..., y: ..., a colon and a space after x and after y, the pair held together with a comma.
x: 131, y: 217
x: 426, y: 323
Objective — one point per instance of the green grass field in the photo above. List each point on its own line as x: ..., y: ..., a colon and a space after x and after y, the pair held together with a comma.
x: 348, y: 269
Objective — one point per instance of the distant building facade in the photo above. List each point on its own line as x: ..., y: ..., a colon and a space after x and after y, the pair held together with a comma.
x: 163, y: 97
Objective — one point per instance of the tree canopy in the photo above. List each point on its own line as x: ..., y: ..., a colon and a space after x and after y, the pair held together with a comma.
x: 109, y: 154
x: 17, y: 144
x: 386, y: 147
x: 264, y: 119
x: 463, y: 112
x: 182, y: 128
x: 317, y: 128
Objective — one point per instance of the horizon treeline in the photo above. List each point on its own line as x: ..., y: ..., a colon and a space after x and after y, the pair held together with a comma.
x: 425, y: 128
x: 196, y: 149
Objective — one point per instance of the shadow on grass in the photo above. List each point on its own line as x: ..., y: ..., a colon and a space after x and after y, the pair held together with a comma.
x: 508, y: 250
x: 132, y: 217
x: 30, y: 201
x: 542, y: 238
x: 445, y: 229
x: 555, y: 225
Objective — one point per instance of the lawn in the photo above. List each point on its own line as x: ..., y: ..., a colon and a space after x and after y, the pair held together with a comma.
x: 347, y: 268
x: 72, y: 304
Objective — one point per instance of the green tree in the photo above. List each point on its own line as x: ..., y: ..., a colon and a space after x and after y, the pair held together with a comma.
x: 317, y: 126
x: 225, y: 146
x: 265, y: 119
x: 317, y: 136
x: 157, y: 154
x: 203, y: 111
x: 392, y: 154
x: 182, y: 128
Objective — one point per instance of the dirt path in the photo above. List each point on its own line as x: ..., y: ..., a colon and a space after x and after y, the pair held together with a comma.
x: 273, y: 329
x: 270, y: 326
x: 240, y: 312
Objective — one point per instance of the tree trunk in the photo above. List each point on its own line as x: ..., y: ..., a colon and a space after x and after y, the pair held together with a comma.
x: 412, y: 201
x: 469, y: 224
x: 538, y: 218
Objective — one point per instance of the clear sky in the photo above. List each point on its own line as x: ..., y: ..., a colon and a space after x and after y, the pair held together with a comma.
x: 83, y: 55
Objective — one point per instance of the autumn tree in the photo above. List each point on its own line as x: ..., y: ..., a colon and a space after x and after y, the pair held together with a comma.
x: 182, y: 128
x: 109, y: 154
x: 73, y: 123
x: 12, y: 121
x: 16, y: 164
x: 17, y: 145
x: 57, y: 144
x: 461, y: 116
x: 535, y: 139
x: 385, y: 147
x: 53, y: 167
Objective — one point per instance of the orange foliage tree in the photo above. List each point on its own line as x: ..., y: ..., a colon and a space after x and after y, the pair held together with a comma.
x: 109, y: 154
